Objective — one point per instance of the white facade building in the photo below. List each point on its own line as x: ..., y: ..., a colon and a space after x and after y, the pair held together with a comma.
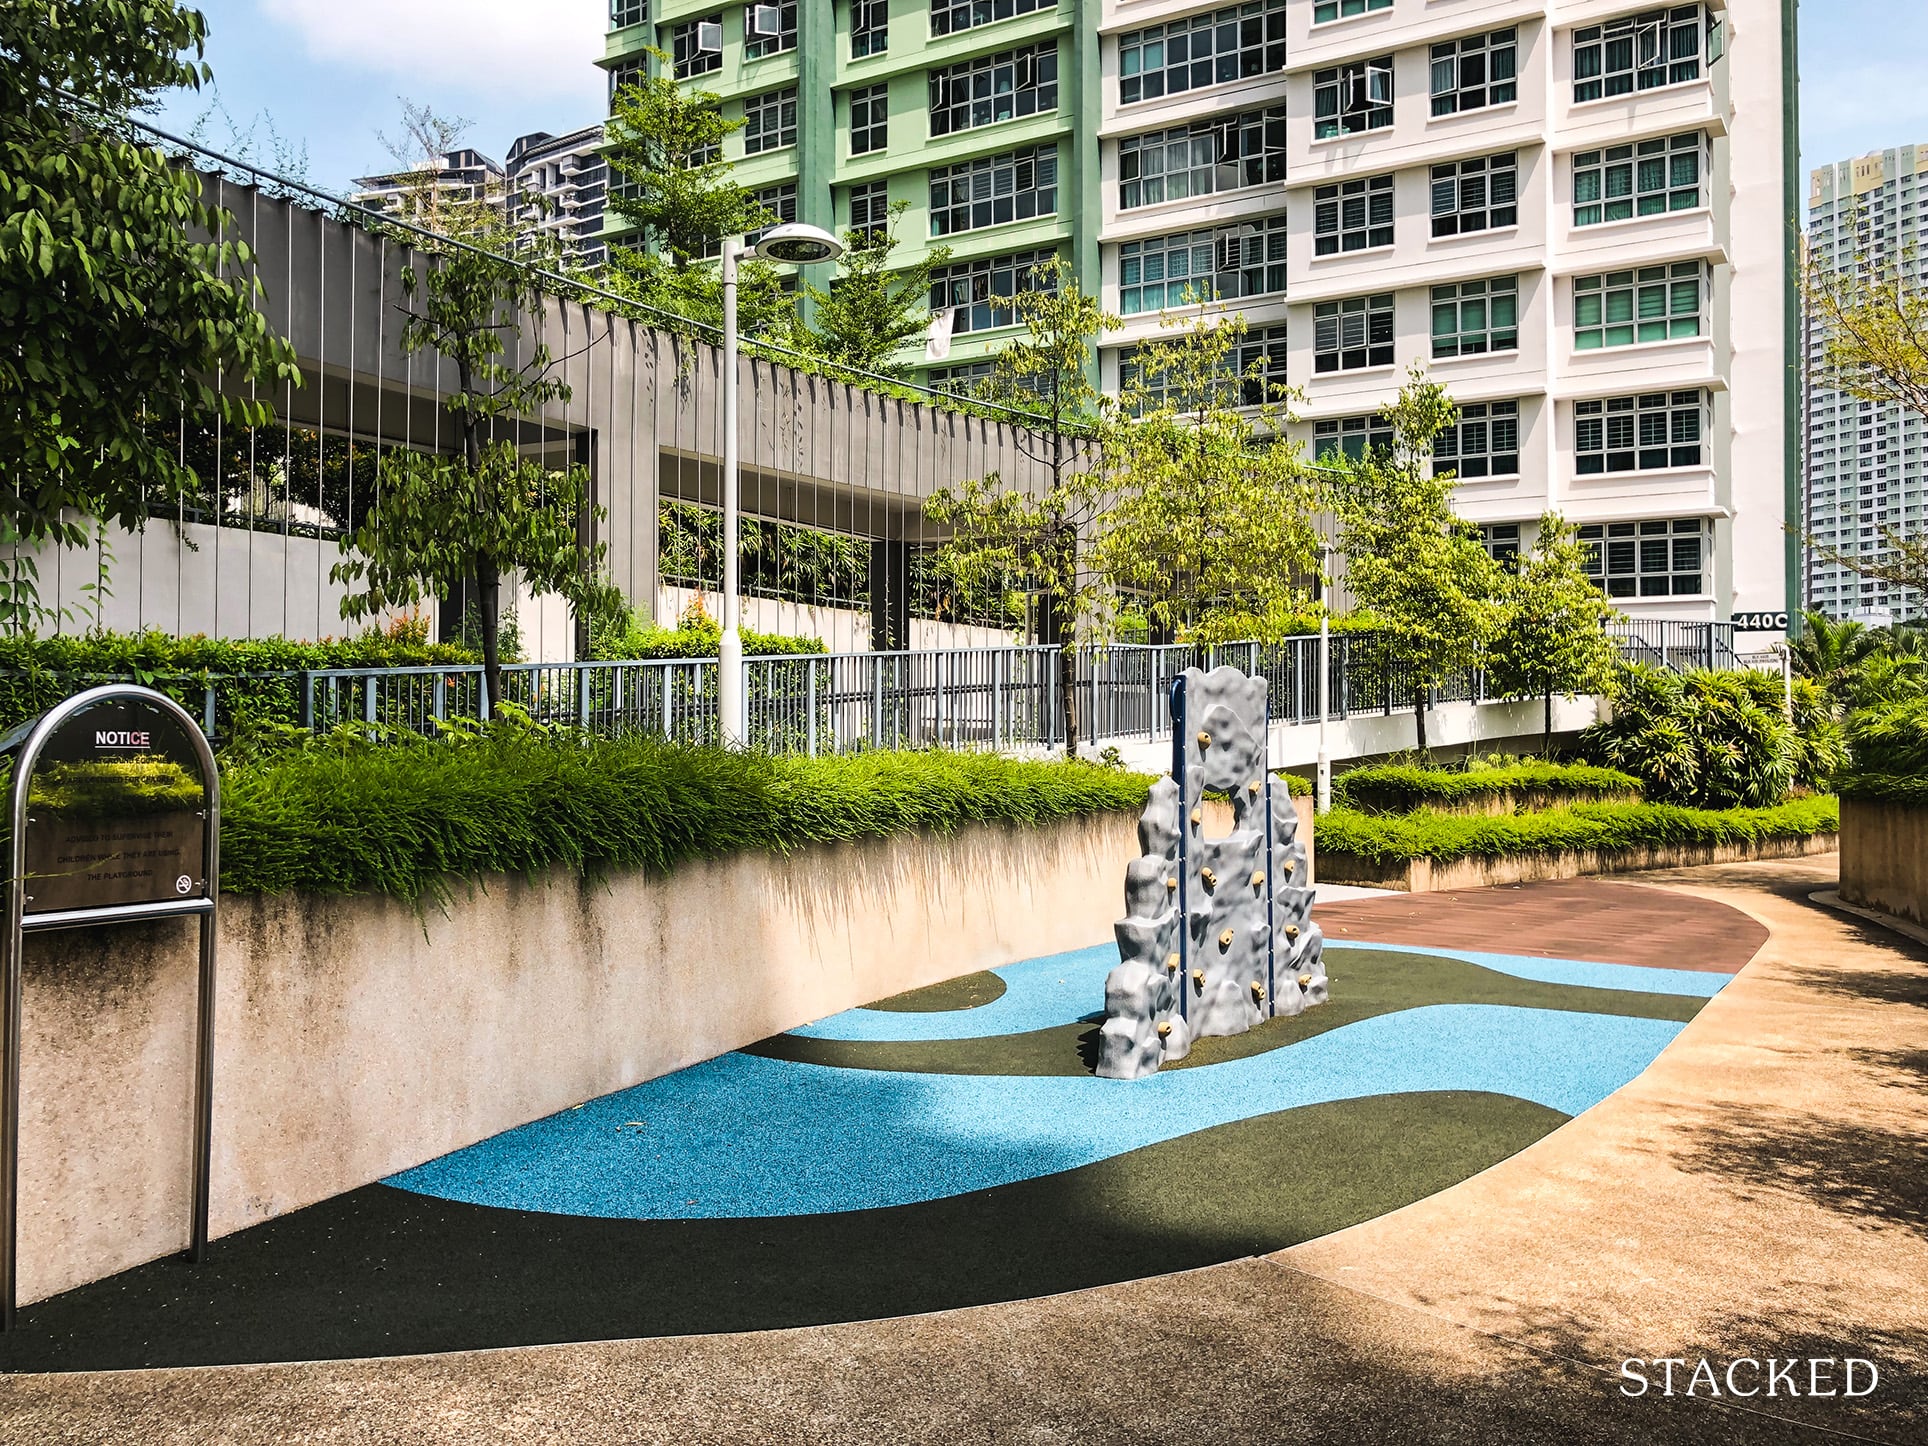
x: 1574, y: 215
x: 558, y: 185
x: 1866, y: 473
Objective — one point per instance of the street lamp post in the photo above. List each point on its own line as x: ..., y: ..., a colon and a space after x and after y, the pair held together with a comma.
x: 793, y: 244
x: 1324, y: 773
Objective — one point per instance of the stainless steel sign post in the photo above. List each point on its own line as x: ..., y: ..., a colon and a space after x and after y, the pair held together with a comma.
x: 115, y: 806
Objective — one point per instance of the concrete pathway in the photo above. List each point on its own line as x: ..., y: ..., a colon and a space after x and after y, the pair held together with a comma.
x: 1762, y: 1190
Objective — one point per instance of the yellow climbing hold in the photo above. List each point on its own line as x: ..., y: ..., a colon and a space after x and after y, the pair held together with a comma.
x: 1204, y: 739
x: 1165, y: 1030
x: 1225, y: 939
x: 1171, y: 963
x: 1210, y: 878
x: 1305, y: 981
x: 1258, y: 878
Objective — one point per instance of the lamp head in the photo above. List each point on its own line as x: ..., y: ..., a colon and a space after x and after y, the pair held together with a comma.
x: 796, y: 244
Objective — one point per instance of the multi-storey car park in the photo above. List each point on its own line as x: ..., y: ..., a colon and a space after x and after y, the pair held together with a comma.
x: 1865, y: 472
x: 1575, y: 215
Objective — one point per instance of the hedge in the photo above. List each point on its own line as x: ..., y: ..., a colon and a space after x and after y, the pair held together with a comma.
x: 1401, y: 788
x: 695, y: 636
x: 1908, y: 790
x: 404, y: 818
x: 1446, y: 837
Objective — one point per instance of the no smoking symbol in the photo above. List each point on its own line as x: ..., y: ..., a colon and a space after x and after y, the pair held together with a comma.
x: 184, y: 885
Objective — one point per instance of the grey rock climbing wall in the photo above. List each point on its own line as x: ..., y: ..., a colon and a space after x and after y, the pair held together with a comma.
x: 1218, y: 933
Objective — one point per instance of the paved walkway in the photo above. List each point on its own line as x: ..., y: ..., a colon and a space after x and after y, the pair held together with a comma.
x: 1762, y: 1189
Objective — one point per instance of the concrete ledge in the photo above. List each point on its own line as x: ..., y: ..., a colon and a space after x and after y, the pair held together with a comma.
x: 1884, y: 858
x: 1421, y: 876
x: 356, y: 1037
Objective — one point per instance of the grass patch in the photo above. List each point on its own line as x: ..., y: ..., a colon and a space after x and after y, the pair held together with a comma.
x: 1583, y: 827
x: 1403, y: 787
x: 405, y: 818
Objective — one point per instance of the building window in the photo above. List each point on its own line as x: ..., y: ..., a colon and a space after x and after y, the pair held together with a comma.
x: 1637, y: 52
x: 994, y: 190
x: 696, y: 46
x: 772, y: 119
x: 1350, y: 438
x: 1647, y: 179
x: 870, y: 207
x: 979, y: 292
x: 950, y: 16
x: 1655, y: 303
x: 1502, y: 543
x: 1647, y: 433
x: 1202, y: 158
x: 1475, y: 72
x: 1352, y: 216
x: 780, y: 201
x: 623, y: 13
x: 869, y: 119
x: 1324, y: 10
x: 769, y: 29
x: 869, y: 27
x: 1348, y: 99
x: 1233, y: 261
x: 1647, y: 559
x: 1485, y: 442
x: 1253, y: 373
x: 1210, y: 49
x: 1350, y: 335
x: 1476, y: 317
x: 1481, y: 194
x: 630, y: 72
x: 1007, y: 86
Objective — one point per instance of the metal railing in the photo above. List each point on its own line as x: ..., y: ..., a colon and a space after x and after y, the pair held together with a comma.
x: 995, y: 698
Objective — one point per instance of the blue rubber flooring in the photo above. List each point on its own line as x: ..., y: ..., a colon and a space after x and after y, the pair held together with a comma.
x: 1063, y: 988
x: 745, y: 1136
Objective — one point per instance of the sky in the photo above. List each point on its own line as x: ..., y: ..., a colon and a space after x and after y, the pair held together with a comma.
x: 324, y: 76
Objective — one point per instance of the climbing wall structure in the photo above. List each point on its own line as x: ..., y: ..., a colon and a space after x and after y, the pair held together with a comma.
x: 1218, y: 933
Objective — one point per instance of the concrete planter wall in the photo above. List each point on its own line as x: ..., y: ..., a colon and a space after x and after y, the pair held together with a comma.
x: 356, y: 1037
x: 1421, y: 876
x: 1884, y: 858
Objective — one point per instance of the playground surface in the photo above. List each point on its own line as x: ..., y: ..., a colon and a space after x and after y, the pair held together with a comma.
x: 1693, y: 1167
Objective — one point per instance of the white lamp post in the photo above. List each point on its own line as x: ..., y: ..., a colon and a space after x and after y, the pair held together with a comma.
x: 795, y: 245
x: 1324, y: 786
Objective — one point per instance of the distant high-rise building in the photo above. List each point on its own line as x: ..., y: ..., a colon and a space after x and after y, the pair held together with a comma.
x: 1865, y: 469
x: 1574, y: 215
x: 461, y: 175
x: 558, y: 185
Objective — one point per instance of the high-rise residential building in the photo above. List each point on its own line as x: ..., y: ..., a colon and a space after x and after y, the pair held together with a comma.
x: 557, y: 185
x: 1576, y: 215
x: 1865, y: 470
x: 460, y: 175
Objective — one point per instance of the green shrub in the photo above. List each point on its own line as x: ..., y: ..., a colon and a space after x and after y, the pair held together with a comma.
x: 1820, y: 742
x: 1597, y: 826
x: 696, y: 635
x: 1909, y: 791
x: 1703, y: 740
x: 1402, y: 787
x: 36, y: 673
x: 1891, y: 740
x: 402, y: 818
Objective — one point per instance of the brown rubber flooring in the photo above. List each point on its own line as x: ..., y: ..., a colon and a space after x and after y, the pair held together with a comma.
x: 1591, y: 919
x: 1762, y: 1190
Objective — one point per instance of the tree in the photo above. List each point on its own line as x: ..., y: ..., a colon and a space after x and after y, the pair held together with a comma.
x: 1001, y: 537
x: 1873, y: 318
x: 1210, y: 520
x: 1420, y: 572
x: 1552, y: 637
x: 669, y: 177
x: 444, y: 523
x: 122, y: 294
x: 870, y: 311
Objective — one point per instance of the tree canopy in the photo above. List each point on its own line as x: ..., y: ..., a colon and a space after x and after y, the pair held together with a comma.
x: 870, y: 311
x: 1552, y: 636
x: 1418, y: 569
x: 124, y: 295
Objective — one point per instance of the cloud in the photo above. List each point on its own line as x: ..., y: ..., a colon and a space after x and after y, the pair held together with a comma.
x: 529, y: 47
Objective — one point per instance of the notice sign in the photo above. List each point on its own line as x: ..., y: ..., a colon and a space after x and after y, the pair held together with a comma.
x: 116, y: 811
